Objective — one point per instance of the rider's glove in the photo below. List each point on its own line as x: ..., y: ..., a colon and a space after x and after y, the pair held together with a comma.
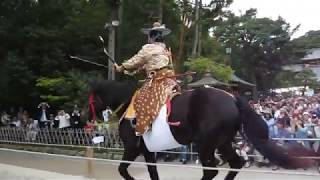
x: 118, y: 68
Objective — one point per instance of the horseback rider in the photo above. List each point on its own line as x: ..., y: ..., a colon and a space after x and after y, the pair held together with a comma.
x: 155, y: 59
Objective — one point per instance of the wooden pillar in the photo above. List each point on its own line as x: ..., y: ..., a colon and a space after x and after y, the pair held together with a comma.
x: 196, y: 31
x: 161, y: 11
x: 89, y: 164
x: 111, y: 50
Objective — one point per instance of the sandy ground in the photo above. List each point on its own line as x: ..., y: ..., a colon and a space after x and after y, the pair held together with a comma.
x: 10, y: 172
x: 23, y: 166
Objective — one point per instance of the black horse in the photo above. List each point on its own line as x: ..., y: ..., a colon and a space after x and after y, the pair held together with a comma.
x: 208, y: 117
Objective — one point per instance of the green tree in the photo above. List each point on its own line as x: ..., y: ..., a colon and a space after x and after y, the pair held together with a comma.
x: 37, y: 35
x: 35, y: 38
x: 304, y: 43
x: 15, y: 80
x: 306, y: 78
x: 68, y: 89
x: 202, y: 65
x: 206, y: 17
x: 259, y: 45
x: 286, y: 79
x: 52, y: 85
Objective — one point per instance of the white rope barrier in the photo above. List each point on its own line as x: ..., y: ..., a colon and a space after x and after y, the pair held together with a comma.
x: 297, y: 139
x: 165, y: 165
x: 56, y: 145
x: 121, y: 149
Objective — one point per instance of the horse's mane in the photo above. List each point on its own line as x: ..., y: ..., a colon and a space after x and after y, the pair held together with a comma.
x: 113, y: 92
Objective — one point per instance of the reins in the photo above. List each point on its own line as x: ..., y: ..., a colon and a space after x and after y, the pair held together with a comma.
x: 93, y: 108
x: 118, y: 108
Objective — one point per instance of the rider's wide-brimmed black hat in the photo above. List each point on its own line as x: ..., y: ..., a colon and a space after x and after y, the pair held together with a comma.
x: 157, y: 27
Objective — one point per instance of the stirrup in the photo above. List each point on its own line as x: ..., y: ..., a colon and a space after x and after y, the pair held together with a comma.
x: 138, y: 141
x: 138, y: 134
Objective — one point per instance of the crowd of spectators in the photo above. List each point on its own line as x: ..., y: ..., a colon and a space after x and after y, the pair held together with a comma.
x: 46, y: 118
x: 289, y: 120
x: 296, y: 117
x: 43, y: 119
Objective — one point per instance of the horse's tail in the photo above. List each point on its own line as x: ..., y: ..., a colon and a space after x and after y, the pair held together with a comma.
x: 257, y: 132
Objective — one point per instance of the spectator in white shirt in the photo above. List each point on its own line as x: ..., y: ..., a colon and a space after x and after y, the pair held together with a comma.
x: 106, y: 114
x: 63, y: 118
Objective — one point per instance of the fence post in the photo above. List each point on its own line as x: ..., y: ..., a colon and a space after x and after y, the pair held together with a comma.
x: 191, y: 152
x: 89, y: 164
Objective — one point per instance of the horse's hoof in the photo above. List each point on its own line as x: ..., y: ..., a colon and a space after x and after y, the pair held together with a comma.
x: 221, y: 163
x: 184, y: 162
x: 275, y: 168
x: 247, y: 165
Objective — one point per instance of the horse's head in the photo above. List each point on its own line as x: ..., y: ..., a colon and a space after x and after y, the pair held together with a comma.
x: 108, y: 94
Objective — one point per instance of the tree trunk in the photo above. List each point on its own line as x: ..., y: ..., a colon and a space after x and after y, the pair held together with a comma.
x: 160, y: 11
x: 254, y: 89
x: 4, y: 77
x: 304, y: 89
x: 200, y: 30
x: 118, y: 33
x: 183, y: 27
x: 112, y: 41
x: 181, y: 47
x: 196, y: 31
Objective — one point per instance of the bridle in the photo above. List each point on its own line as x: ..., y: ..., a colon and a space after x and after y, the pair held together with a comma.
x: 92, y: 105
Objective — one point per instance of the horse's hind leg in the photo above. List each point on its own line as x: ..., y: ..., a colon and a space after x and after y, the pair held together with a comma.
x: 234, y: 160
x: 207, y: 159
x: 129, y: 155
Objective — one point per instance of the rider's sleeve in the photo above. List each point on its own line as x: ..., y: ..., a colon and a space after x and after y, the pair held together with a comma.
x: 137, y: 60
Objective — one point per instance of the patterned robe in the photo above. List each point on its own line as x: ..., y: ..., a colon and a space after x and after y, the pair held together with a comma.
x: 158, y: 87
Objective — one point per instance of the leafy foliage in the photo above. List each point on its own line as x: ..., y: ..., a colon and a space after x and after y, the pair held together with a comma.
x: 304, y: 43
x: 36, y: 37
x: 202, y: 65
x: 260, y: 45
x: 304, y: 78
x: 68, y: 89
x: 51, y: 84
x: 286, y: 79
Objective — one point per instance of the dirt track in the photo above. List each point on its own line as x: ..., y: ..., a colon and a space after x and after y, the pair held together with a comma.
x: 101, y: 170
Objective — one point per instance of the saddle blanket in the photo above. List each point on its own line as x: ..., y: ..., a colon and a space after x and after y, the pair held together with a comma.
x: 160, y: 138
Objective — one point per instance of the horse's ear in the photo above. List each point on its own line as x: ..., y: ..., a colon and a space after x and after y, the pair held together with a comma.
x: 92, y: 82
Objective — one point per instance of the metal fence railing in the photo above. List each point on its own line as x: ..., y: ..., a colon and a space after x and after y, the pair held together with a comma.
x: 83, y: 138
x: 80, y: 137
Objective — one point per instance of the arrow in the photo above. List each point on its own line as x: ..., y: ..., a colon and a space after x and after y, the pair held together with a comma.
x: 87, y: 61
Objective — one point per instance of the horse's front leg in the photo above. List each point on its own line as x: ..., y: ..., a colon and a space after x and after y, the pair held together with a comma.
x: 150, y: 157
x: 129, y: 155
